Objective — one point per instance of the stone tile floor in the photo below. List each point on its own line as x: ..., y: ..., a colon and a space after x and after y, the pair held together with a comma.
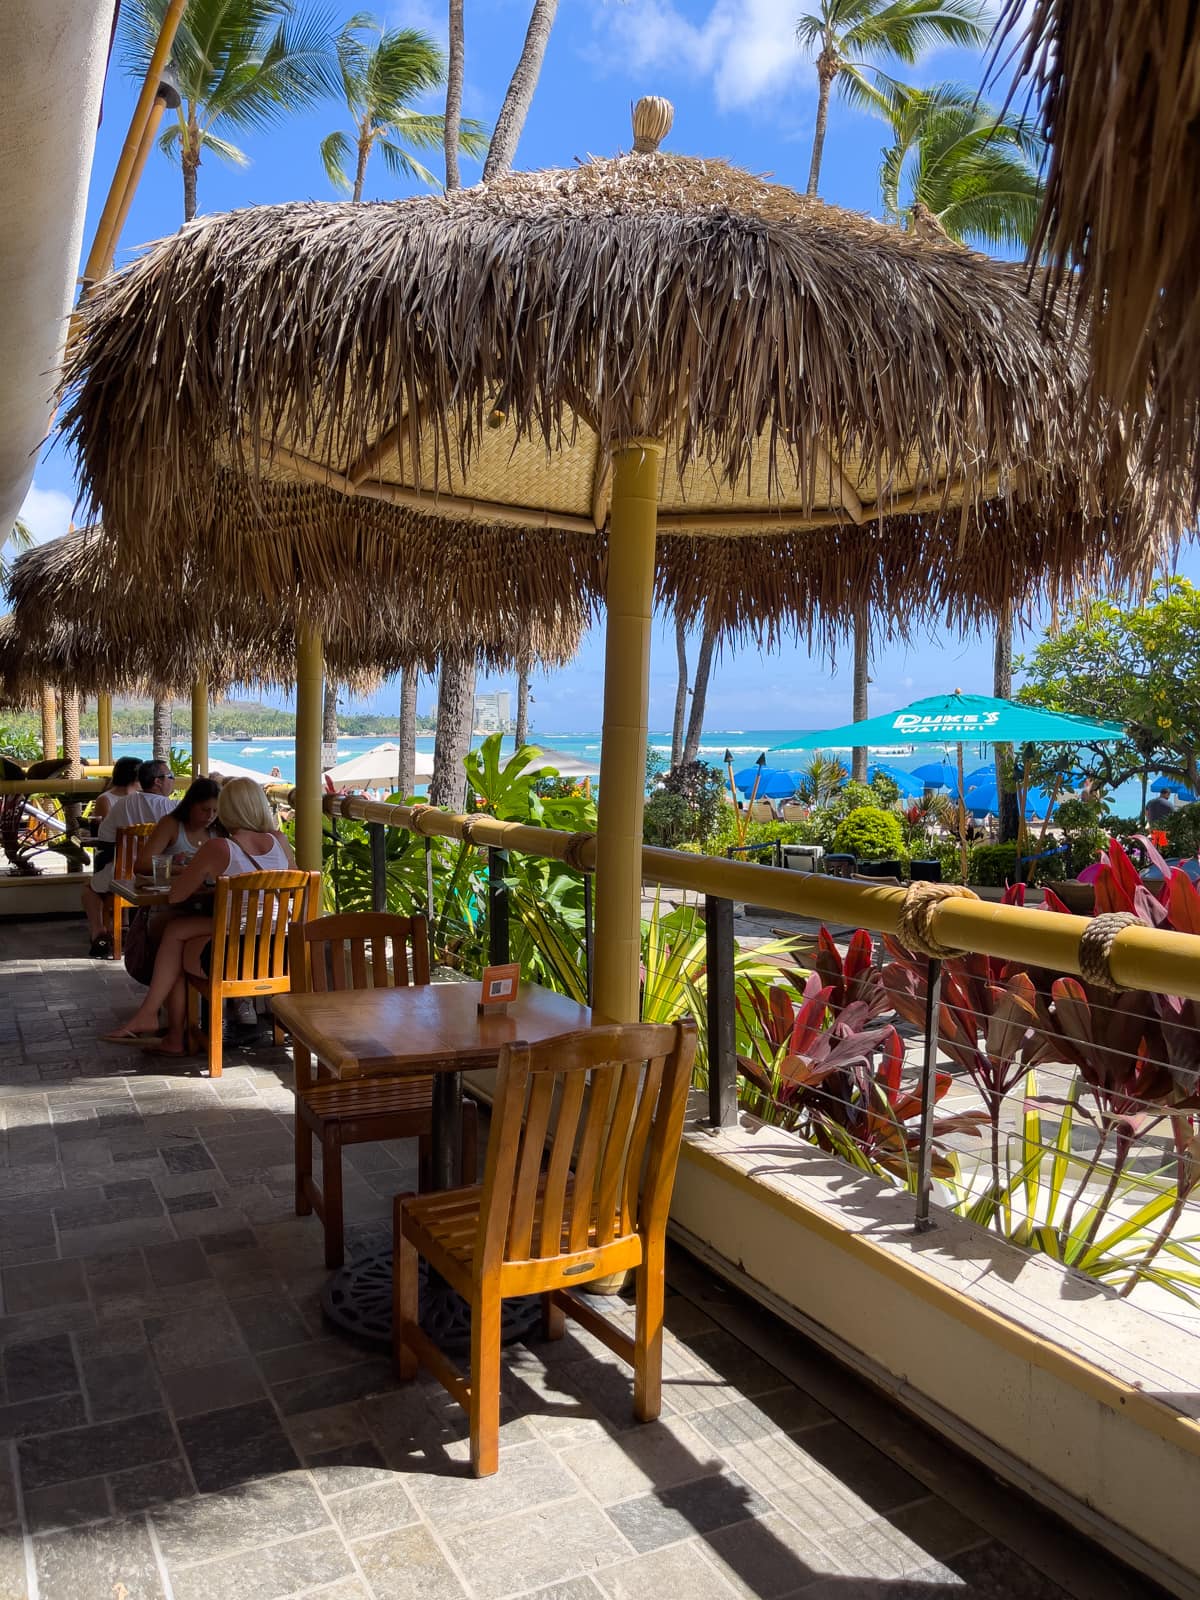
x: 178, y: 1423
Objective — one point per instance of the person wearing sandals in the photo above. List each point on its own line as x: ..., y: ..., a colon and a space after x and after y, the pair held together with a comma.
x: 250, y: 843
x: 146, y: 796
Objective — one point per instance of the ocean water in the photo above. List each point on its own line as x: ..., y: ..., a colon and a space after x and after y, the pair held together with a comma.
x: 745, y: 745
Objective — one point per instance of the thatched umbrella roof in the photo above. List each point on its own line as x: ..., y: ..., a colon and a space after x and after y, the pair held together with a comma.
x: 83, y: 619
x: 1118, y: 87
x: 476, y: 358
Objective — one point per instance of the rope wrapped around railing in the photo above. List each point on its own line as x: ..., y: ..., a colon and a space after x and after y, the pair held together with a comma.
x: 1137, y: 957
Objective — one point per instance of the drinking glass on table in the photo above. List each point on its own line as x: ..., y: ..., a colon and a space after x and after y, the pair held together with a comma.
x: 161, y: 867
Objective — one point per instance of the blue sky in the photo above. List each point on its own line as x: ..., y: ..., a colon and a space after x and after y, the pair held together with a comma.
x: 741, y: 91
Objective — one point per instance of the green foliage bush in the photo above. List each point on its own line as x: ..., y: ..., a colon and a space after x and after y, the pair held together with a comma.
x: 869, y: 833
x: 1182, y: 829
x: 991, y: 866
x: 667, y: 820
x: 1084, y: 830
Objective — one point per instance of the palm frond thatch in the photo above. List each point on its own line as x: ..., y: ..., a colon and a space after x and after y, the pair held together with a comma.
x: 1118, y: 85
x: 453, y: 373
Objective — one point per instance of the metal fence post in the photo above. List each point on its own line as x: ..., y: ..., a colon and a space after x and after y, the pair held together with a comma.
x: 587, y: 933
x: 497, y: 902
x: 378, y: 841
x: 722, y: 1039
x: 933, y: 1000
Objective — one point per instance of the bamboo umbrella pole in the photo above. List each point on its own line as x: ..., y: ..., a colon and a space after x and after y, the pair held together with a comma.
x: 200, y: 726
x: 104, y: 728
x: 49, y: 723
x: 630, y: 603
x: 149, y: 133
x: 105, y: 239
x: 310, y: 680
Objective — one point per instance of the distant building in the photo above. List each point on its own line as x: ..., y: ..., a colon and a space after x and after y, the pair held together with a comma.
x: 493, y: 712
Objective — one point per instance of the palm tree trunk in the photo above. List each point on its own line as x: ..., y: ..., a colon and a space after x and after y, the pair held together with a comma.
x: 862, y: 677
x: 406, y: 778
x: 49, y: 723
x: 681, y: 692
x: 191, y: 166
x: 825, y: 77
x: 162, y: 730
x: 1006, y: 794
x: 521, y: 731
x: 329, y: 724
x: 511, y: 121
x: 695, y: 727
x: 360, y: 171
x: 455, y: 719
x: 70, y: 728
x: 455, y: 57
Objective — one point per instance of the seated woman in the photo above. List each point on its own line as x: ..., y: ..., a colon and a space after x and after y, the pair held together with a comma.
x: 124, y: 781
x: 183, y: 830
x: 252, y: 843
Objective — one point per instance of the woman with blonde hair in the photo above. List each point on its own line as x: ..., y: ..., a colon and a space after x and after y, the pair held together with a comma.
x: 250, y: 842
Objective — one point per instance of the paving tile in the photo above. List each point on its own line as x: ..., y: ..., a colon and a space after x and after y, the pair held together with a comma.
x: 229, y: 1239
x: 349, y: 1466
x: 531, y: 1477
x: 307, y: 1360
x: 231, y: 1446
x: 314, y: 1432
x: 202, y: 1200
x: 39, y: 1367
x: 654, y: 1456
x: 407, y: 1565
x: 42, y: 1285
x: 268, y: 1322
x: 252, y: 1514
x: 766, y: 1557
x: 8, y: 1490
x: 118, y: 1336
x: 994, y: 1572
x: 572, y: 1589
x: 41, y: 1416
x: 121, y: 1385
x: 730, y: 1359
x: 680, y: 1570
x: 191, y: 1390
x: 181, y: 1262
x: 268, y: 1572
x: 672, y: 1514
x: 374, y: 1509
x: 142, y: 1487
x: 64, y: 1505
x: 97, y: 1562
x: 532, y: 1549
x: 13, y: 1575
x: 939, y: 1529
x: 195, y: 1338
x: 335, y: 1388
x: 102, y: 1448
x: 787, y: 1410
x: 118, y: 1274
x: 861, y: 1468
x: 118, y: 1236
x: 187, y: 1158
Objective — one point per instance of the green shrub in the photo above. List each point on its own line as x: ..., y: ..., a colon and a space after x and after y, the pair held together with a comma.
x: 991, y: 866
x: 870, y: 834
x: 1182, y: 829
x: 1084, y: 829
x: 667, y: 820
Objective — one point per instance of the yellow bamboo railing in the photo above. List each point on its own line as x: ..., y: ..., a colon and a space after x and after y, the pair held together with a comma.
x: 1154, y: 959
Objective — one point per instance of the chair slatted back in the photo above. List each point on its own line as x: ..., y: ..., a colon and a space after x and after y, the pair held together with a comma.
x: 793, y: 811
x: 252, y: 914
x: 359, y: 950
x: 611, y: 1102
x: 763, y: 811
x: 129, y: 841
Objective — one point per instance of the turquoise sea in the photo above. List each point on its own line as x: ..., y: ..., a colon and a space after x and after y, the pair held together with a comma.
x: 262, y: 755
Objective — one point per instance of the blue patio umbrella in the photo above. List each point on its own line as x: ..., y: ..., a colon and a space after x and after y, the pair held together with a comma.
x: 1173, y: 786
x: 983, y: 774
x: 909, y: 786
x: 962, y: 719
x: 935, y: 774
x: 773, y: 782
x: 984, y: 797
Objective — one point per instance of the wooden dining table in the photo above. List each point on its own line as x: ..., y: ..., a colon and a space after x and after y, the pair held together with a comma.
x: 429, y: 1028
x: 141, y: 892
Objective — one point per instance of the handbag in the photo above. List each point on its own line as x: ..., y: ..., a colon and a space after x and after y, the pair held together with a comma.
x: 139, y: 948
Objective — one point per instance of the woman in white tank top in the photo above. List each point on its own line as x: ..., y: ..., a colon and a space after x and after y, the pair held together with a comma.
x: 182, y: 831
x: 252, y: 844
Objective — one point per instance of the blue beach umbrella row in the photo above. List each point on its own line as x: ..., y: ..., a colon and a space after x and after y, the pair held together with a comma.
x: 936, y: 774
x: 910, y: 786
x: 773, y: 782
x: 983, y: 797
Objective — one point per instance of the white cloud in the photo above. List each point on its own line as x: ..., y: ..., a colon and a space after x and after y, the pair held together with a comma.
x: 746, y: 47
x: 47, y: 513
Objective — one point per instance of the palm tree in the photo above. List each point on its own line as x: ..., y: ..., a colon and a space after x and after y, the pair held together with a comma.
x: 21, y: 538
x: 456, y: 683
x: 238, y: 64
x: 971, y: 169
x: 848, y: 39
x: 382, y: 73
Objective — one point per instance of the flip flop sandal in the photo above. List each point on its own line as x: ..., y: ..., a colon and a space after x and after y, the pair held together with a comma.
x: 128, y: 1036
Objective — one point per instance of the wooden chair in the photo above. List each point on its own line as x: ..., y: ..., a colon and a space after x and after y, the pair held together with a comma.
x: 794, y: 811
x: 370, y: 950
x: 763, y: 811
x: 129, y: 842
x: 612, y: 1101
x: 249, y: 951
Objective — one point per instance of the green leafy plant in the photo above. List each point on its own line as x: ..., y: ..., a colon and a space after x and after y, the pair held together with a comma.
x: 870, y: 833
x: 992, y: 865
x: 1182, y: 829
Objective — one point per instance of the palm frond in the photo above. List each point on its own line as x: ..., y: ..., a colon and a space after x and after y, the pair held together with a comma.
x: 401, y: 165
x: 336, y: 154
x: 906, y: 29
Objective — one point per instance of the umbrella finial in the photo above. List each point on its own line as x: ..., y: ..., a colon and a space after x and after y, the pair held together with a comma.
x: 652, y: 119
